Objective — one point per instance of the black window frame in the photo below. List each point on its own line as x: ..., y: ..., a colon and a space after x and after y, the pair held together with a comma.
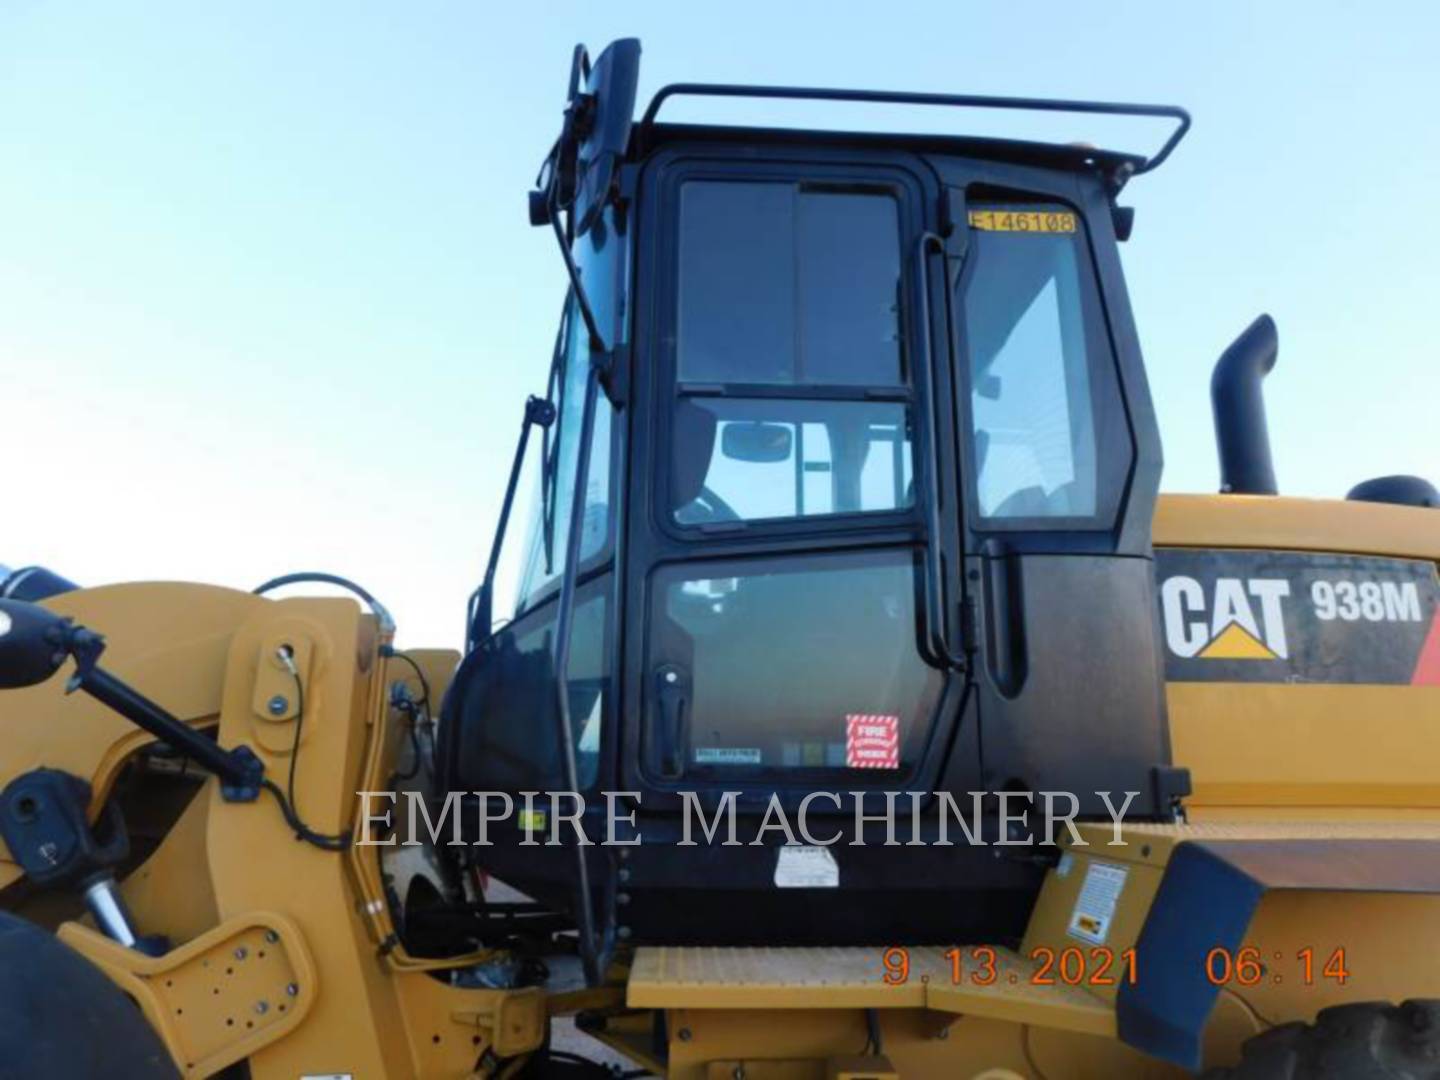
x: 909, y: 193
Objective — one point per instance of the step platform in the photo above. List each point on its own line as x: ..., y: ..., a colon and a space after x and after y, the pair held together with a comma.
x: 994, y: 982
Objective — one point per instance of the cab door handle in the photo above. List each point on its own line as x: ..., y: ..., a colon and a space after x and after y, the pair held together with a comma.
x: 672, y: 702
x: 1004, y: 618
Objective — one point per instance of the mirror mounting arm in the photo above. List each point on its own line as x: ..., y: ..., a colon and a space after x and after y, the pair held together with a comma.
x: 39, y: 641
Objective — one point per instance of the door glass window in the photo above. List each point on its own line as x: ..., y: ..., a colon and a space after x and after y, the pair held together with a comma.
x: 747, y: 459
x: 1049, y: 432
x: 799, y: 662
x: 788, y: 283
x: 788, y: 302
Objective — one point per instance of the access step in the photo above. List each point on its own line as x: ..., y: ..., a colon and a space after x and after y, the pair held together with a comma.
x: 858, y: 977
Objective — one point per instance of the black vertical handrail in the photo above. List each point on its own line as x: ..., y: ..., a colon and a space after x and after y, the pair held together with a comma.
x: 936, y: 623
x: 594, y: 952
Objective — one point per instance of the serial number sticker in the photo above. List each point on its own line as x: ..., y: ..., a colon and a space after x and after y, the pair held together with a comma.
x: 803, y: 866
x: 1032, y: 221
x: 727, y: 755
x: 1095, y: 906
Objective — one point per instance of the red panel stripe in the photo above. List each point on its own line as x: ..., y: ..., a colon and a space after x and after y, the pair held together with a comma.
x: 1427, y: 668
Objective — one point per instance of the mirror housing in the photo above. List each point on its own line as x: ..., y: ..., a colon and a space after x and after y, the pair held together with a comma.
x: 756, y: 442
x: 611, y: 84
x: 34, y: 643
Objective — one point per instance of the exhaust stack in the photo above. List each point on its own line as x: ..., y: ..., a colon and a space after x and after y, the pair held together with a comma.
x: 1241, y: 434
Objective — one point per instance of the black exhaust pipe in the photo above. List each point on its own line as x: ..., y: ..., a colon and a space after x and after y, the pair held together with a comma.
x: 1241, y: 434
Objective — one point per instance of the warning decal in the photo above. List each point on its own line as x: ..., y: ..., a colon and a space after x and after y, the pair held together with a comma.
x: 1095, y: 906
x: 1285, y: 616
x: 872, y: 741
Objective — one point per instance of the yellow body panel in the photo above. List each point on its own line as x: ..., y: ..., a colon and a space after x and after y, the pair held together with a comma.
x: 1326, y: 752
x: 1290, y: 524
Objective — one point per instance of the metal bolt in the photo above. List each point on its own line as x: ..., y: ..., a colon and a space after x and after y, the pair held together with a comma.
x: 292, y: 989
x: 671, y: 677
x: 623, y: 874
x: 261, y: 1008
x: 624, y: 933
x: 241, y: 953
x: 278, y: 705
x: 271, y: 936
x: 622, y: 898
x: 683, y: 1034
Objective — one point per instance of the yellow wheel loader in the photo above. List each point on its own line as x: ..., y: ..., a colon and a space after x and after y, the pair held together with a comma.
x: 863, y: 711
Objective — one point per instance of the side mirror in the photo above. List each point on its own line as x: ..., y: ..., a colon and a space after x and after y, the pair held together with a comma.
x: 611, y: 85
x: 580, y: 172
x: 756, y: 442
x: 33, y: 644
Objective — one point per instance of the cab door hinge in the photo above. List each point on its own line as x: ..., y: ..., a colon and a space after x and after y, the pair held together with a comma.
x: 968, y: 625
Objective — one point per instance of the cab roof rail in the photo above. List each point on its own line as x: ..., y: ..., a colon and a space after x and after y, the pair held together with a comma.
x: 968, y: 101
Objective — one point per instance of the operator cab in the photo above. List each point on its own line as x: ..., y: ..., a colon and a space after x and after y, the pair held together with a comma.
x: 847, y: 468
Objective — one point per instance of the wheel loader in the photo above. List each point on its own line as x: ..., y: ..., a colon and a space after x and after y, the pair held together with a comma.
x: 862, y: 710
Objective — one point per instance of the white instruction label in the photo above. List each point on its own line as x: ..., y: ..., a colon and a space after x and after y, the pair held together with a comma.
x: 806, y: 867
x: 727, y: 755
x: 1095, y: 906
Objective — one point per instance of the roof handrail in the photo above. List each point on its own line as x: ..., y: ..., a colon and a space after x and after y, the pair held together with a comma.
x: 902, y: 97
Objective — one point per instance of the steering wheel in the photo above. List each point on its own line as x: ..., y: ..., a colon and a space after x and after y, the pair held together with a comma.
x: 1034, y: 502
x: 707, y: 508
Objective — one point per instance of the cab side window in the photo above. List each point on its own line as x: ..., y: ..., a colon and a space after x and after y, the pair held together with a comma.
x: 1050, y: 438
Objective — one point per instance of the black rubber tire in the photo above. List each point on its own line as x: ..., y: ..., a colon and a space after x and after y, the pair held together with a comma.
x: 60, y: 1016
x: 1373, y: 1040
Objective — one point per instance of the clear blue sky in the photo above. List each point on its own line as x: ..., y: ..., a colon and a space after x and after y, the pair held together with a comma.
x: 269, y: 299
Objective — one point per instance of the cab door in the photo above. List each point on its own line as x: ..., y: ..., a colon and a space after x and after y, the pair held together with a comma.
x: 1059, y: 462
x: 776, y: 637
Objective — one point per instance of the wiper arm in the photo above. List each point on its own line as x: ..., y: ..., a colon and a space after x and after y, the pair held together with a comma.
x: 479, y: 618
